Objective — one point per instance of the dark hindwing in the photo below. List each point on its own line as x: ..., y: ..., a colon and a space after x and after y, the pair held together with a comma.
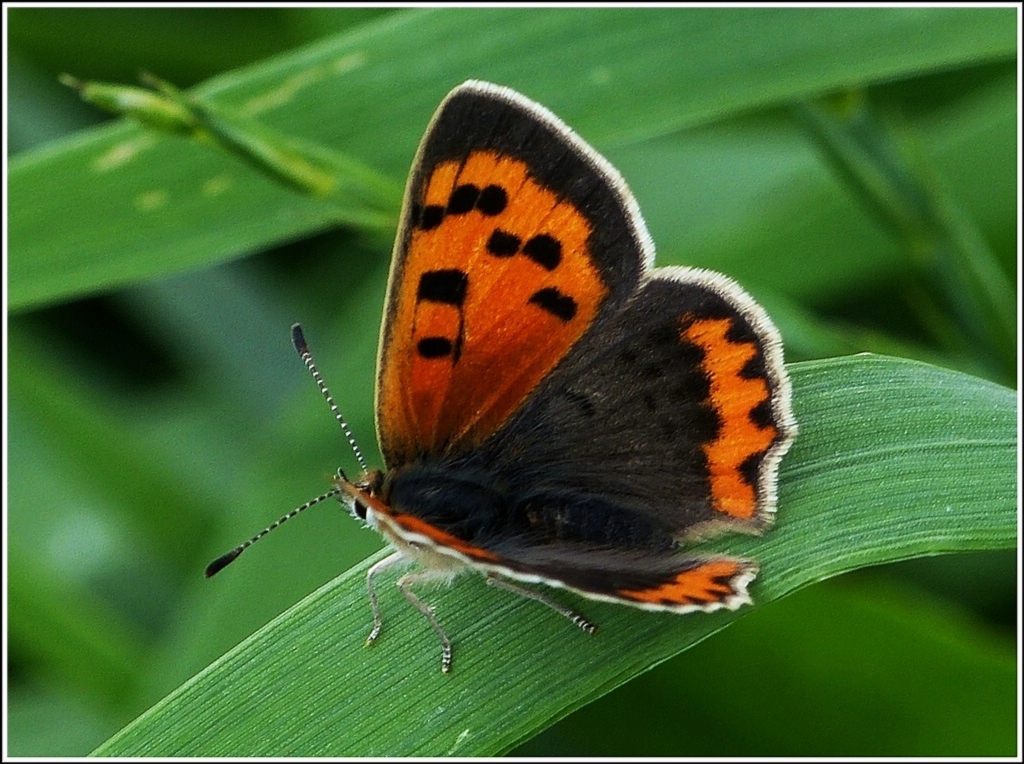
x: 677, y: 412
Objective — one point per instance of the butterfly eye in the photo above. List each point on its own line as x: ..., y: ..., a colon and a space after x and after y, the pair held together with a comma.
x: 370, y: 485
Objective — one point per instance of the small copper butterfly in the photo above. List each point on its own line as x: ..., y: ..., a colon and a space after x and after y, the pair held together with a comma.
x: 552, y: 408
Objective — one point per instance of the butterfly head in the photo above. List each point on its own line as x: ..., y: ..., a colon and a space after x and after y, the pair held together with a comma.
x: 360, y: 495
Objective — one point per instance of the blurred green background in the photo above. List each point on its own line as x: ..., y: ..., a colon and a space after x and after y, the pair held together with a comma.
x: 158, y: 415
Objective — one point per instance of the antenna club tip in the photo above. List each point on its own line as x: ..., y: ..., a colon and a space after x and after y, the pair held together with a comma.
x: 298, y: 339
x: 221, y: 562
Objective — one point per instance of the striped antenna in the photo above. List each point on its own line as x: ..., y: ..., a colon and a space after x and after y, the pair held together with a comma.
x: 225, y: 559
x: 303, y: 350
x: 300, y: 345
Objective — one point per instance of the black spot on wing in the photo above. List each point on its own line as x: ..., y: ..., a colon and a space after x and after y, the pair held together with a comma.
x: 444, y: 286
x: 463, y: 199
x: 544, y: 250
x: 430, y: 217
x: 434, y: 347
x: 493, y: 200
x: 503, y: 244
x: 554, y: 302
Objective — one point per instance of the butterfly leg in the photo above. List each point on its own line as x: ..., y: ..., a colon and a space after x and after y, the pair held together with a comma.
x: 522, y: 591
x: 376, y: 568
x: 428, y: 612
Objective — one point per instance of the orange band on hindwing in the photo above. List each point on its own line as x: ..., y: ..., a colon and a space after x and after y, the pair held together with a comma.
x: 742, y: 401
x: 708, y: 583
x: 498, y: 284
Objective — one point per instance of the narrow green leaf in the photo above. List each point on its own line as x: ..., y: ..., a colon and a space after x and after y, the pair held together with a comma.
x: 895, y: 459
x: 885, y: 656
x: 133, y: 205
x: 891, y: 175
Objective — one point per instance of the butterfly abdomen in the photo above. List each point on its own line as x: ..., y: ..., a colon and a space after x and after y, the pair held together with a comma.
x: 590, y: 519
x: 465, y: 503
x: 481, y: 509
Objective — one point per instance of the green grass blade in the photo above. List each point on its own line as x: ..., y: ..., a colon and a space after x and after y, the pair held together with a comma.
x: 132, y: 205
x: 895, y: 460
x: 896, y: 182
x: 842, y: 641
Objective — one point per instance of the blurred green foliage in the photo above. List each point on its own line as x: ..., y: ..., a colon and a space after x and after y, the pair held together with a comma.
x: 157, y: 414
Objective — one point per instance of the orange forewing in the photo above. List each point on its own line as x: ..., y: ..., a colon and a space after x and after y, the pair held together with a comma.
x: 454, y: 367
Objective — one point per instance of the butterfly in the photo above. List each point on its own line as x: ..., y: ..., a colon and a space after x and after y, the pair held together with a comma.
x: 553, y: 409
